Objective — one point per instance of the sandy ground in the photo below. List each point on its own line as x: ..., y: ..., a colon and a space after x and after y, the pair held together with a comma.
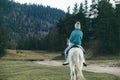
x: 98, y: 68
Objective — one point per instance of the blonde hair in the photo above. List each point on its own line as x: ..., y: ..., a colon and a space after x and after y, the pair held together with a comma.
x: 77, y: 25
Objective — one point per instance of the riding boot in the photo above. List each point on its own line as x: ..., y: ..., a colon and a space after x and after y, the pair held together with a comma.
x: 66, y: 61
x: 84, y: 64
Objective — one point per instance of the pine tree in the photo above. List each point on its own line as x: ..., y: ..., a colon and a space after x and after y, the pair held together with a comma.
x: 86, y: 7
x: 106, y: 27
x: 3, y: 40
x: 75, y: 9
x: 117, y: 32
x: 3, y: 31
x: 68, y: 10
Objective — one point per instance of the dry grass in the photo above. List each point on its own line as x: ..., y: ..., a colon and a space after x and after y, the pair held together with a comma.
x: 30, y: 55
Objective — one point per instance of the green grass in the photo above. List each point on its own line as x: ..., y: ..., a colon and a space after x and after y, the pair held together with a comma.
x: 19, y: 70
x: 18, y: 66
x: 25, y: 70
x: 106, y: 57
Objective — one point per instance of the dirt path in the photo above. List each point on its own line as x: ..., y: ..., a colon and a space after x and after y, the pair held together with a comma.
x: 103, y: 69
x: 98, y: 68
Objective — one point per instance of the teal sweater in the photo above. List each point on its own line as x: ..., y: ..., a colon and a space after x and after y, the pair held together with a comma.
x: 76, y: 37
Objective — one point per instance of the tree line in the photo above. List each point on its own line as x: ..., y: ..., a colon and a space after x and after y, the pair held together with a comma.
x: 101, y: 30
x: 101, y: 27
x: 23, y: 23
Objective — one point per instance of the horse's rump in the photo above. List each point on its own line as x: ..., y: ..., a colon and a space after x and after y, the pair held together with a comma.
x: 75, y: 62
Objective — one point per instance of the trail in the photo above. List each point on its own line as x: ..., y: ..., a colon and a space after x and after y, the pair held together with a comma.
x: 97, y: 68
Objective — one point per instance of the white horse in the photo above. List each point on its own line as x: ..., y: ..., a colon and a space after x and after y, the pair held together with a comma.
x: 76, y: 58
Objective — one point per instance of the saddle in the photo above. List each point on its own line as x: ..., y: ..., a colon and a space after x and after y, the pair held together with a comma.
x: 72, y: 47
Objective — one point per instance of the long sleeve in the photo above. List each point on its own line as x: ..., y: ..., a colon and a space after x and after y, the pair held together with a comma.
x: 76, y: 37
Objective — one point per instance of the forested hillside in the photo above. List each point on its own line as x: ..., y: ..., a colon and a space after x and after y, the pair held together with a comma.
x: 35, y: 27
x: 28, y: 19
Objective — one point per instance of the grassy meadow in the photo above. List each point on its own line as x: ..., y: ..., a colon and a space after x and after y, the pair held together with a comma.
x: 25, y: 70
x: 16, y: 66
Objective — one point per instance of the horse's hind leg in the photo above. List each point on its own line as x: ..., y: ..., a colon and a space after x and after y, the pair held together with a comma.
x: 80, y: 75
x: 82, y: 58
x: 72, y: 73
x: 79, y: 67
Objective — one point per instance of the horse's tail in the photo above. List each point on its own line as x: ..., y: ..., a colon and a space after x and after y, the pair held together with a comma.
x: 79, y: 63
